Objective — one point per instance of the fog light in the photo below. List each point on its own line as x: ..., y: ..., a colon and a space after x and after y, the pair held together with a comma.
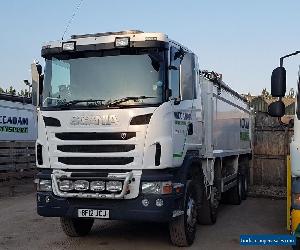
x: 81, y: 185
x: 145, y: 202
x: 66, y: 185
x: 159, y: 202
x: 114, y: 186
x: 97, y: 185
x: 47, y: 199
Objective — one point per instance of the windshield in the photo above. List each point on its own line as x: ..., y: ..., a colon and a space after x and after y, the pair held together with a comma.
x: 120, y: 77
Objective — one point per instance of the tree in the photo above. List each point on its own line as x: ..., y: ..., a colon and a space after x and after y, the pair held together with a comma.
x: 265, y: 93
x: 11, y: 91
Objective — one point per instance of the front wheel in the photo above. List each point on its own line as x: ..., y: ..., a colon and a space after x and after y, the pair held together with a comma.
x: 183, y: 228
x: 75, y: 227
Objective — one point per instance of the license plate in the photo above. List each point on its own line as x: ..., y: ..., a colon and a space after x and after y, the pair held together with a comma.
x: 93, y: 213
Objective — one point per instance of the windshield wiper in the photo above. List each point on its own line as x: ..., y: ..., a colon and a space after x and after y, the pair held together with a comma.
x: 94, y: 102
x: 127, y: 98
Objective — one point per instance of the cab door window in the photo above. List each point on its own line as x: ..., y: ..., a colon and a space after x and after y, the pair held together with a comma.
x: 175, y: 72
x: 188, y: 77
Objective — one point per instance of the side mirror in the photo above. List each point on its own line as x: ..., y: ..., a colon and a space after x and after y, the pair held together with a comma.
x: 278, y: 82
x: 37, y: 82
x: 276, y: 109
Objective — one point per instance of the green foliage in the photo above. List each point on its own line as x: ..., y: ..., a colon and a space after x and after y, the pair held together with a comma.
x: 12, y: 91
x: 265, y: 93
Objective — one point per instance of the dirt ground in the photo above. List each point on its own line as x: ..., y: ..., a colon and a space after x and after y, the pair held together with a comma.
x: 22, y: 228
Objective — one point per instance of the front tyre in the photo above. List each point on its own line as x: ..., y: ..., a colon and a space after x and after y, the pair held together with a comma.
x: 75, y: 227
x: 183, y: 228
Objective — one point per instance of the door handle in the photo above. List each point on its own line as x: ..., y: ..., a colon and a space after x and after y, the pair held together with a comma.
x: 190, y: 129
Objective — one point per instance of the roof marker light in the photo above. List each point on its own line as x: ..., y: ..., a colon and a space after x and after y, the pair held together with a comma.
x: 68, y: 46
x: 122, y: 42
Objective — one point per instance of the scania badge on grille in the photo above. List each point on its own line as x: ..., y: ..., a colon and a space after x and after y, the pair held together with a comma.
x: 123, y: 135
x: 94, y: 120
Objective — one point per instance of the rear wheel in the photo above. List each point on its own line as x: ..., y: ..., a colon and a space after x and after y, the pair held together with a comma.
x: 75, y: 227
x: 234, y: 195
x: 244, y: 187
x: 183, y: 228
x: 208, y: 210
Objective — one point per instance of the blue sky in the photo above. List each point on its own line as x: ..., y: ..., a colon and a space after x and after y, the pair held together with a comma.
x: 243, y: 40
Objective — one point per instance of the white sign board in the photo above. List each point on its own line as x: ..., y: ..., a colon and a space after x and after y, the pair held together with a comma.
x: 17, y: 121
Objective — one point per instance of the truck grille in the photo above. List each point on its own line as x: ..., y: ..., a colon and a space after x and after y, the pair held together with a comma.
x: 95, y: 148
x: 81, y: 136
x: 95, y: 160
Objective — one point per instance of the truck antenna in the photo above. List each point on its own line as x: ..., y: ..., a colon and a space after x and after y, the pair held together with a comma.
x: 72, y: 18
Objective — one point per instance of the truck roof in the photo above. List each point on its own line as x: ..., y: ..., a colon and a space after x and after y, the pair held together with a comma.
x: 109, y: 37
x: 135, y: 37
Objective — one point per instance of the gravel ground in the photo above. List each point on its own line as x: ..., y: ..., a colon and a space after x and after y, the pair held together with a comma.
x: 268, y: 192
x: 21, y: 228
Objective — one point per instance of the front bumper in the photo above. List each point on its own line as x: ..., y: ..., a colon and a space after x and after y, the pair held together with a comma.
x: 49, y: 205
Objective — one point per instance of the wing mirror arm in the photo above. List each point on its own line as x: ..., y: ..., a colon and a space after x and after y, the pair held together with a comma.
x: 37, y: 83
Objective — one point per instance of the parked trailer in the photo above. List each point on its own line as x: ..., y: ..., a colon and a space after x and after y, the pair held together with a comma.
x: 129, y: 128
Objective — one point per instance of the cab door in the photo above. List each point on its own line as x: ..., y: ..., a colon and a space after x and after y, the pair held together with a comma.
x: 183, y: 85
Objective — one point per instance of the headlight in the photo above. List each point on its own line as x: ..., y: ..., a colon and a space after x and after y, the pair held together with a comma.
x: 157, y: 187
x: 114, y: 186
x: 44, y: 185
x: 81, y: 185
x: 151, y: 187
x: 97, y: 185
x: 66, y: 185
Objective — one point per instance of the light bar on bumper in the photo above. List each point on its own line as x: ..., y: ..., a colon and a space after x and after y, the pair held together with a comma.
x: 126, y: 179
x: 66, y: 185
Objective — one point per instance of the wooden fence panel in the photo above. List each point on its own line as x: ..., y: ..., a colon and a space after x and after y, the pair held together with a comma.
x: 16, y: 156
x: 270, y: 147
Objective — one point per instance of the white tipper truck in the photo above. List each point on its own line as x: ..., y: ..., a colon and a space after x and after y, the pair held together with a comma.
x: 129, y: 128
